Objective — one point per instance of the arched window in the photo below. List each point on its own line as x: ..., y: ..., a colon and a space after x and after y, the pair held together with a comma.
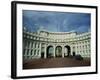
x: 31, y: 52
x: 34, y: 52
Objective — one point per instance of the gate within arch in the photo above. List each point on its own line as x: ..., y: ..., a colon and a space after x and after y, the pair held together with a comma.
x: 50, y: 51
x: 58, y: 51
x: 67, y: 51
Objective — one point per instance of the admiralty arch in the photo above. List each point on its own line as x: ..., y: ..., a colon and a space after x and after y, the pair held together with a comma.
x: 46, y: 44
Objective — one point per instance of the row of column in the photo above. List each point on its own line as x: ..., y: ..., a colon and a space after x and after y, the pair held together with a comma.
x: 83, y: 49
x: 32, y: 48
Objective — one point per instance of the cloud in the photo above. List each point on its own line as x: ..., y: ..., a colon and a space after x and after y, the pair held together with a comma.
x: 83, y: 28
x: 56, y: 21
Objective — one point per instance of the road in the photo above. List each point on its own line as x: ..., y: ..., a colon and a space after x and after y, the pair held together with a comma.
x: 55, y: 63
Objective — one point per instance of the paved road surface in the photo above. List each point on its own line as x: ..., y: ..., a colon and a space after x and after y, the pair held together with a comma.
x: 55, y: 63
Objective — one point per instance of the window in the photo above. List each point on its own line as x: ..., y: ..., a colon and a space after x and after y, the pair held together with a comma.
x: 38, y: 45
x: 32, y: 45
x: 86, y: 46
x: 35, y: 45
x: 31, y: 52
x: 34, y: 52
x: 38, y: 52
x: 28, y: 44
x: 27, y: 51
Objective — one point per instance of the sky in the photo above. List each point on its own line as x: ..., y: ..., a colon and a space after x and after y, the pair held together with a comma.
x: 56, y: 21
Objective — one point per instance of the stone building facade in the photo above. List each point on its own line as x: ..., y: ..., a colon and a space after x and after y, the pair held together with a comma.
x: 45, y: 44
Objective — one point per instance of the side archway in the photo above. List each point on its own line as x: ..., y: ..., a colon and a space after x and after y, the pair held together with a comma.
x: 67, y: 51
x: 50, y: 51
x: 58, y: 51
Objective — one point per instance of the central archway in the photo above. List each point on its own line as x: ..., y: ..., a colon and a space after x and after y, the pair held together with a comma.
x: 67, y: 51
x: 50, y: 50
x: 58, y: 51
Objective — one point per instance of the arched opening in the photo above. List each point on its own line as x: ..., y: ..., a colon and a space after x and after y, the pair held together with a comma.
x: 67, y: 51
x: 58, y: 51
x: 50, y: 51
x: 42, y: 50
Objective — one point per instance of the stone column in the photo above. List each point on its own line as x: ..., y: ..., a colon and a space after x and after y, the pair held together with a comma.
x: 26, y: 51
x: 32, y: 53
x: 25, y: 55
x: 25, y: 47
x: 82, y: 49
x: 33, y: 49
x: 29, y: 50
x: 45, y: 53
x: 40, y: 50
x: 33, y: 46
x: 63, y: 51
x: 71, y: 49
x: 36, y: 53
x: 85, y: 50
x: 54, y: 51
x: 36, y: 45
x: 36, y: 49
x: 76, y: 48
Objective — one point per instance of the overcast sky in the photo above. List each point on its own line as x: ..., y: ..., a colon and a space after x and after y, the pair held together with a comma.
x: 56, y: 21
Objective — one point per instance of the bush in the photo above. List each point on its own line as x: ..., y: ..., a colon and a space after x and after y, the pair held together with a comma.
x: 78, y: 57
x: 70, y: 56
